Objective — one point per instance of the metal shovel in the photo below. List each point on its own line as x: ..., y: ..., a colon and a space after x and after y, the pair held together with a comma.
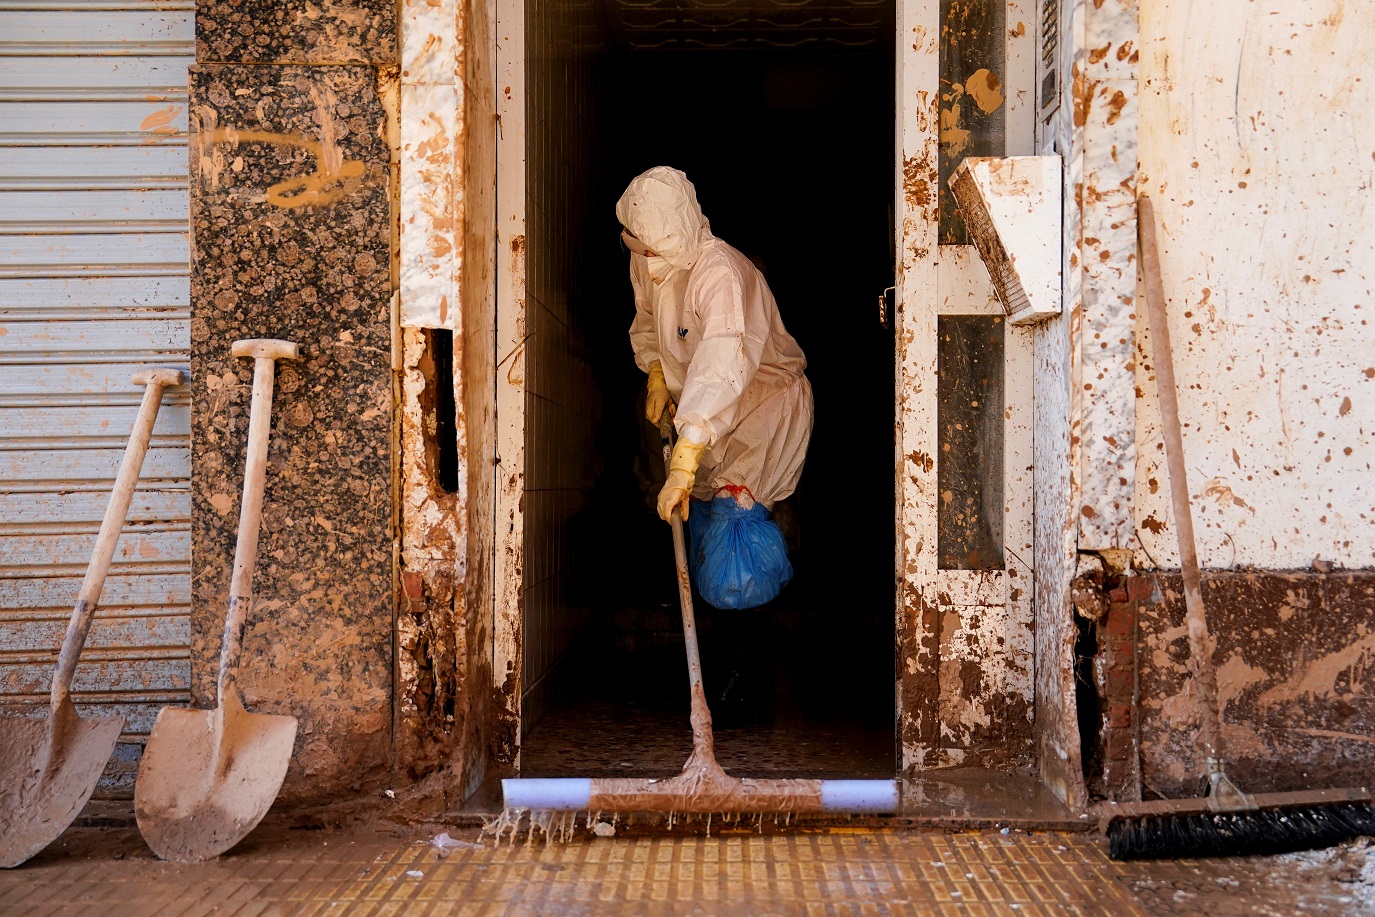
x: 49, y: 768
x: 209, y: 776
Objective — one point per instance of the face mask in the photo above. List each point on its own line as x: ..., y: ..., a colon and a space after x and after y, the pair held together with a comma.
x: 659, y: 268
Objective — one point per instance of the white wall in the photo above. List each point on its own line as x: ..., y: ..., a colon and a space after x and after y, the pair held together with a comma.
x: 1257, y: 137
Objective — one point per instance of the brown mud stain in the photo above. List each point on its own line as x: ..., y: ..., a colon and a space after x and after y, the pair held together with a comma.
x: 985, y: 89
x: 916, y: 182
x: 1082, y: 101
x: 1116, y: 103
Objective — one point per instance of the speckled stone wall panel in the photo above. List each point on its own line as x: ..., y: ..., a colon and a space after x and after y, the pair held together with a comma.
x: 290, y: 218
x: 1294, y: 655
x: 296, y: 31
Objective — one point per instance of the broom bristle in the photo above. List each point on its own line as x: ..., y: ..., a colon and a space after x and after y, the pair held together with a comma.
x: 1252, y: 831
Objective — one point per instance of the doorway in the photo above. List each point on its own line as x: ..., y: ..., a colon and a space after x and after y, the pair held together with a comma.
x: 785, y: 124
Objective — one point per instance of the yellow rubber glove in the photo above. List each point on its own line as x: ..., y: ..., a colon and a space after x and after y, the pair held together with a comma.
x: 682, y: 472
x: 656, y: 395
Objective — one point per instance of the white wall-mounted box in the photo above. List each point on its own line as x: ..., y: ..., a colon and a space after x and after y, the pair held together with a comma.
x: 1011, y: 206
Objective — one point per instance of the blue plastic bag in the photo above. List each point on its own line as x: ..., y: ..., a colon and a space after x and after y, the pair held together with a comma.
x: 738, y: 556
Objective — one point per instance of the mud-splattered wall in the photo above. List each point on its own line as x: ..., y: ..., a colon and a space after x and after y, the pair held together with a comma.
x: 1257, y: 145
x: 1294, y: 659
x: 1258, y: 150
x: 291, y: 220
x: 431, y: 637
x: 1105, y: 91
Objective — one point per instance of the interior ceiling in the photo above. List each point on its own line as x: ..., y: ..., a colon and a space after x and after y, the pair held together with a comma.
x: 643, y: 25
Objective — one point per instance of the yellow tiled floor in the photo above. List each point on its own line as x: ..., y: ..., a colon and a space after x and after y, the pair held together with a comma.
x: 822, y: 874
x: 107, y: 872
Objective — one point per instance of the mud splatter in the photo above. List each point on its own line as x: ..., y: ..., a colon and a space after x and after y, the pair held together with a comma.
x: 1319, y: 679
x: 985, y: 89
x: 1220, y: 491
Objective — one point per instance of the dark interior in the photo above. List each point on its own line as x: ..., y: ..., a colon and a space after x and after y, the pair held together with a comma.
x: 791, y: 151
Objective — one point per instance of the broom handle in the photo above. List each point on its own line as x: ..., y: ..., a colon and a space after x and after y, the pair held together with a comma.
x: 702, y: 741
x: 1200, y: 643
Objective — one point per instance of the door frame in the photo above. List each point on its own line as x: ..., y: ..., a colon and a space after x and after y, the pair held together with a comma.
x: 949, y: 617
x: 508, y: 567
x: 952, y: 278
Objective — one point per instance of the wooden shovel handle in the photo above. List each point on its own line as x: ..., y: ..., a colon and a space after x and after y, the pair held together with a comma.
x: 265, y: 353
x: 1200, y: 643
x: 154, y: 380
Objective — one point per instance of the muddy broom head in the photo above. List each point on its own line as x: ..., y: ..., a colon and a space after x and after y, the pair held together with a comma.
x: 1262, y: 823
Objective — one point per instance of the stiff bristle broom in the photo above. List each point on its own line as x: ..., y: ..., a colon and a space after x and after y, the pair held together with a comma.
x: 1227, y: 822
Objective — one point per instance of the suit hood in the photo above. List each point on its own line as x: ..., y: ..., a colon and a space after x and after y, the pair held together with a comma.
x: 660, y: 209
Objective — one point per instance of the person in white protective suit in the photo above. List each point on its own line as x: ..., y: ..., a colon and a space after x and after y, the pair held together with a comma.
x: 708, y: 333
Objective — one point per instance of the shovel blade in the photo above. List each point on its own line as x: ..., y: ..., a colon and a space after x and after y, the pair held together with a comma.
x: 193, y: 804
x: 44, y: 783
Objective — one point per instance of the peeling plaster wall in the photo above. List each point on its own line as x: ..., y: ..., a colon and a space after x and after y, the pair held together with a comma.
x: 430, y: 637
x: 290, y: 217
x: 1258, y: 149
x: 446, y: 284
x: 431, y: 628
x: 1295, y: 655
x: 1085, y: 396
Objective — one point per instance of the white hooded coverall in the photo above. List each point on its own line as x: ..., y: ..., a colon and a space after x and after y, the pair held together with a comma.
x: 705, y: 313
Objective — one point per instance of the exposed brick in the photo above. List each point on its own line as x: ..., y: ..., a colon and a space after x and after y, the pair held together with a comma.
x: 1120, y: 715
x: 1120, y: 684
x: 1119, y: 736
x: 1121, y: 620
x: 1141, y: 588
x: 1118, y: 594
x: 1119, y: 747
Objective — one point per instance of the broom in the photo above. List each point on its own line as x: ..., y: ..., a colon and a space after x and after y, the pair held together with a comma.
x: 703, y: 787
x: 1227, y: 822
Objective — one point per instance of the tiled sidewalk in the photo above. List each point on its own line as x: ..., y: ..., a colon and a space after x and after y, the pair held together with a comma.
x: 108, y: 872
x: 868, y: 873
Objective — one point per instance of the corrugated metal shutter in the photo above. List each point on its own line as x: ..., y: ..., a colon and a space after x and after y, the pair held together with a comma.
x: 93, y: 284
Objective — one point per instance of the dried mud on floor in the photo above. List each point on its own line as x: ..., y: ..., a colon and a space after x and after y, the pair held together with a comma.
x: 109, y: 872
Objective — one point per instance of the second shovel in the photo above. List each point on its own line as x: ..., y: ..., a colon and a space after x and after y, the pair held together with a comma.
x: 209, y: 776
